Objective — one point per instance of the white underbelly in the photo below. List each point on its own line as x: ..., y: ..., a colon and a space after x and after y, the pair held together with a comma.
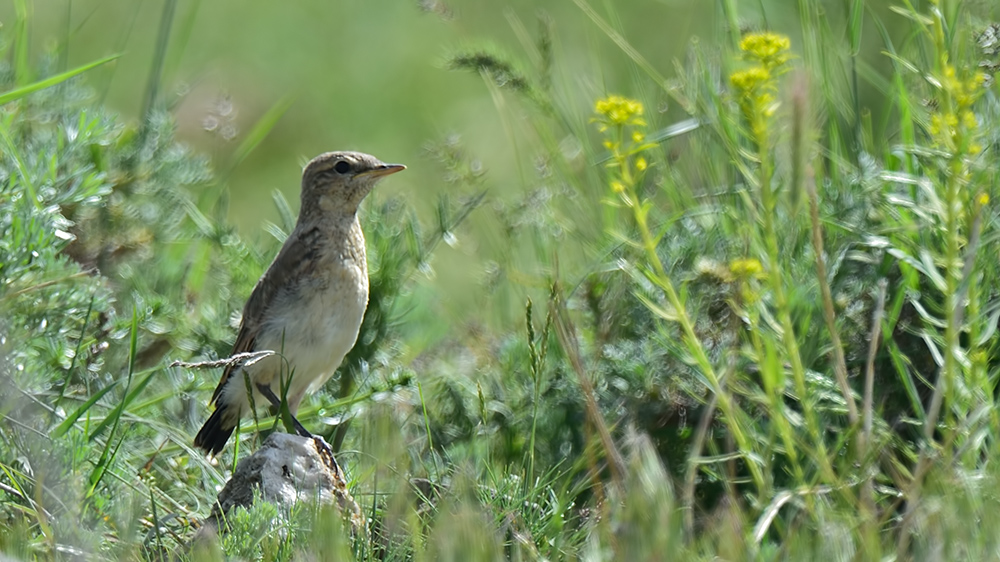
x: 310, y: 337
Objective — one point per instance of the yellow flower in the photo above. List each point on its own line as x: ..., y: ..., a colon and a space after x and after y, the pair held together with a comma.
x: 623, y: 116
x: 969, y: 119
x: 943, y: 124
x: 770, y: 49
x: 983, y: 199
x: 744, y: 268
x: 949, y: 74
x: 619, y: 110
x: 935, y: 126
x: 751, y: 80
x: 965, y: 92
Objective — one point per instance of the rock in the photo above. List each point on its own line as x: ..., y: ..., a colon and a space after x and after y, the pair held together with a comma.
x: 287, y: 468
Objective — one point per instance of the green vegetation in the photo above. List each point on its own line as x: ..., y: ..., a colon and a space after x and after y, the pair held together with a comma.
x: 756, y: 309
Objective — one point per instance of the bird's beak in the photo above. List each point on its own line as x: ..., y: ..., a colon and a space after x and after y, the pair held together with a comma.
x: 383, y: 170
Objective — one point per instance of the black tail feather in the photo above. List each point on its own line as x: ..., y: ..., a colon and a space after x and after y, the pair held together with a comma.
x: 214, y: 434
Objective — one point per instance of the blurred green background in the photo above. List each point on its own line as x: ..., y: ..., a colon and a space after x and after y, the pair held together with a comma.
x: 373, y: 76
x: 363, y: 75
x: 453, y: 377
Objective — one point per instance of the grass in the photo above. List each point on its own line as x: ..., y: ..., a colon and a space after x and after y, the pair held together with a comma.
x: 760, y: 324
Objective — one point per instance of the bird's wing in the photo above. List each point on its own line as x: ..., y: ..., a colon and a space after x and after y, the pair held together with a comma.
x: 298, y: 254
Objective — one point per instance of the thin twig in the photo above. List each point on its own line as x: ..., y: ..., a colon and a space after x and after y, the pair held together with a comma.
x: 567, y: 338
x: 693, y: 467
x: 829, y: 314
x: 805, y: 176
x: 45, y: 284
x: 239, y: 360
x: 876, y: 336
x: 866, y: 407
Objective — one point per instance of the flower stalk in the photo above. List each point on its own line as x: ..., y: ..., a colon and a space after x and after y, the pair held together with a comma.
x: 756, y: 87
x: 621, y: 121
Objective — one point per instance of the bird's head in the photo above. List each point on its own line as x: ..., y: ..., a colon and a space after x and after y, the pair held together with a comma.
x: 341, y: 180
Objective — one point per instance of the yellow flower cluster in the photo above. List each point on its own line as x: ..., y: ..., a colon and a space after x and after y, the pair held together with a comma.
x: 751, y: 80
x: 745, y: 271
x: 745, y: 268
x: 964, y: 92
x: 619, y: 110
x: 768, y: 49
x: 620, y: 119
x: 952, y: 128
x: 943, y: 122
x: 755, y: 84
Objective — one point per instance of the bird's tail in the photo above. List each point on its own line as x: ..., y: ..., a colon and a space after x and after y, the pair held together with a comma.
x: 215, y: 433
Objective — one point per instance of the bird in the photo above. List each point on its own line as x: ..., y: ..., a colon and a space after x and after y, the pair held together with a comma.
x: 308, y: 306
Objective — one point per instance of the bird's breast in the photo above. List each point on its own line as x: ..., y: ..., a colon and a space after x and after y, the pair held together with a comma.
x: 314, y: 323
x: 326, y: 309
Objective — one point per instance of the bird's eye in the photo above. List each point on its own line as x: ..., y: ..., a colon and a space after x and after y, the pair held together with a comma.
x: 342, y: 167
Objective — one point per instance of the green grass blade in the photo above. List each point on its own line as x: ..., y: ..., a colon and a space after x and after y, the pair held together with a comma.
x: 115, y: 414
x: 900, y: 362
x: 22, y: 167
x: 107, y: 455
x: 63, y: 427
x: 427, y: 421
x: 101, y: 468
x: 76, y: 352
x: 285, y: 414
x: 907, y: 130
x: 133, y: 344
x: 22, y: 70
x: 19, y: 93
x: 156, y: 522
x: 261, y: 129
x: 732, y: 18
x: 288, y: 218
x: 623, y: 43
x: 856, y: 19
x: 182, y: 36
x: 159, y: 56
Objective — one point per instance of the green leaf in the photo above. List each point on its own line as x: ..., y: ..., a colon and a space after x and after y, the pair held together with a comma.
x: 931, y: 270
x: 920, y: 19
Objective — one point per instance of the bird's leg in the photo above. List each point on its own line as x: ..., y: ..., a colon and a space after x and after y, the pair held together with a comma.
x: 322, y: 447
x: 269, y: 394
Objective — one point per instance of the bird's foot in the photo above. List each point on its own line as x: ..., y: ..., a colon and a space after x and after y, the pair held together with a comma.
x: 322, y: 447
